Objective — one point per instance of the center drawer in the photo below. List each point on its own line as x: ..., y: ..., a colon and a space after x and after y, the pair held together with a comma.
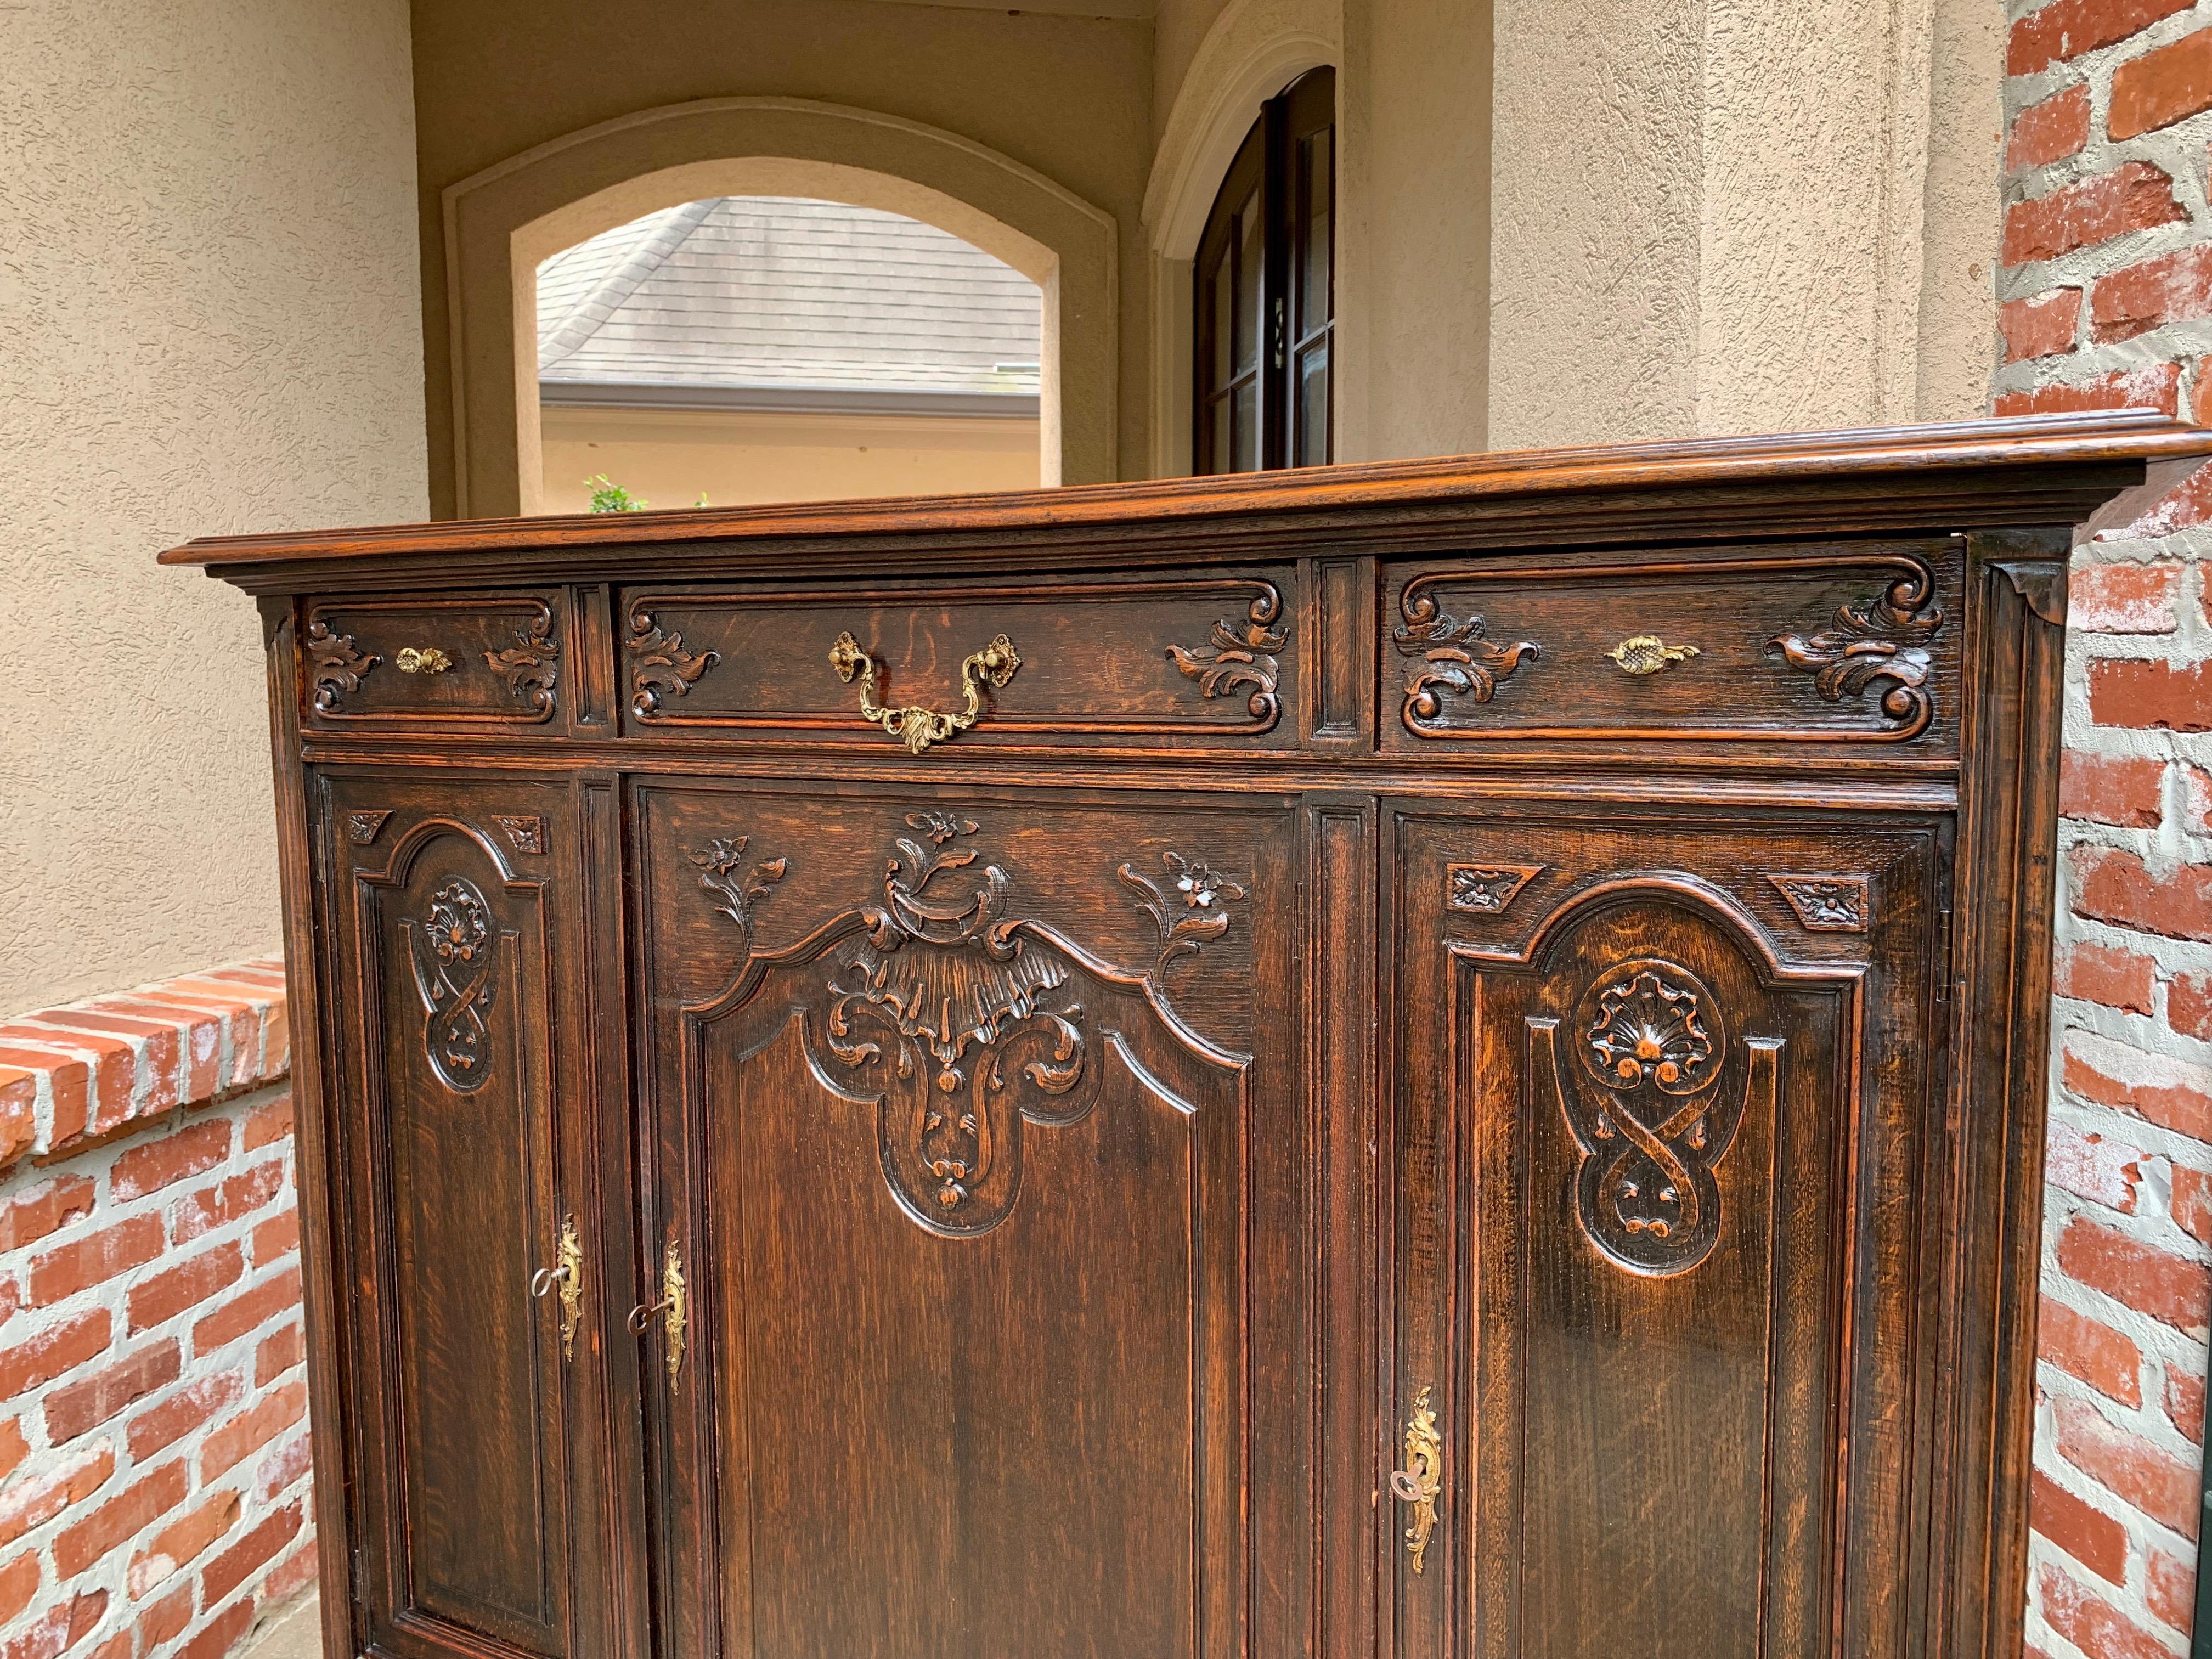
x: 988, y: 665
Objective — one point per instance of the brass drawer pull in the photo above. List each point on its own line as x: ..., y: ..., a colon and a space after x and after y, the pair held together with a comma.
x: 1647, y: 653
x: 569, y: 1276
x: 1422, y: 1478
x: 671, y: 1308
x: 427, y: 660
x: 915, y: 726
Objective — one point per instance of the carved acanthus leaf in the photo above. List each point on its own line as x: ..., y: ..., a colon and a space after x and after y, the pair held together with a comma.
x: 529, y: 665
x: 336, y: 667
x: 1241, y: 657
x: 664, y: 667
x: 1886, y: 640
x: 1450, y: 655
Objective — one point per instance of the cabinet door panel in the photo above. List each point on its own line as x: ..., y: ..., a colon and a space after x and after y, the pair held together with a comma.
x: 447, y: 914
x: 982, y: 1147
x: 1637, y: 1082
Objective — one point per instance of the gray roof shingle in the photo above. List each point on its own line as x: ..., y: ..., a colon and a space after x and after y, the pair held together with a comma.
x: 771, y: 292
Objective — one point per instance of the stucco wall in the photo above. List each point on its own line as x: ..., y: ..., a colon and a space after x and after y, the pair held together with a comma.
x: 1067, y: 96
x: 1772, y: 216
x: 208, y: 283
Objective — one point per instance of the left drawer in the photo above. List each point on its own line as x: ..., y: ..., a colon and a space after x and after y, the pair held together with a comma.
x: 468, y: 658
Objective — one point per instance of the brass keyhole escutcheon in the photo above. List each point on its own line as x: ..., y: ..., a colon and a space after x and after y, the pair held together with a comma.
x: 1647, y: 653
x: 1422, y: 1478
x: 428, y: 660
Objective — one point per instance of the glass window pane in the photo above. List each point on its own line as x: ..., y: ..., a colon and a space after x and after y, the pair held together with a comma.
x: 1218, y: 457
x: 1251, y: 260
x: 1247, y: 453
x: 1316, y: 165
x: 1312, y: 449
x: 1224, y: 319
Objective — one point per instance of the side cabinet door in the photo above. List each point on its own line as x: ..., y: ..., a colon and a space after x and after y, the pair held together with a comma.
x: 467, y: 1287
x: 982, y: 1322
x: 1667, y: 1148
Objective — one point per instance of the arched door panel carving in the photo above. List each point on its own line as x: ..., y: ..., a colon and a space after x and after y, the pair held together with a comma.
x: 1633, y: 1097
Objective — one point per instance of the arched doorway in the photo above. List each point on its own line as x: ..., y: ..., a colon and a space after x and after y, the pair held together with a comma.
x: 742, y: 349
x: 503, y: 222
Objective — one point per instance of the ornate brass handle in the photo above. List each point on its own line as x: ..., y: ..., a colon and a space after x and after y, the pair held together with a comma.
x: 1647, y: 653
x: 1422, y: 1478
x: 569, y: 1275
x: 918, y: 727
x: 427, y: 660
x: 671, y: 1308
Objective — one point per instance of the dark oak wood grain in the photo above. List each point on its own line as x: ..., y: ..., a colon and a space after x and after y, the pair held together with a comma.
x: 1364, y: 968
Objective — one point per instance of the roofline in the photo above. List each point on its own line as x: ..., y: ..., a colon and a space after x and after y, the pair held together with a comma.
x: 789, y: 399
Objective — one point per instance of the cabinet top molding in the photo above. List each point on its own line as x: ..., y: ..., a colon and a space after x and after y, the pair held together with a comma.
x: 2042, y: 470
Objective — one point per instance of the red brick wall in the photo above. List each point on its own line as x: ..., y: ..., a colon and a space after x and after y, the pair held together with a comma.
x: 154, y: 1492
x: 2106, y: 282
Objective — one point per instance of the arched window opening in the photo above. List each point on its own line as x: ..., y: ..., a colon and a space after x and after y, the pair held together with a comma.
x: 1265, y: 306
x: 749, y: 349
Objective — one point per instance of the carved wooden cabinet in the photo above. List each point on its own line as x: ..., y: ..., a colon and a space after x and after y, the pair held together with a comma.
x: 1427, y: 1059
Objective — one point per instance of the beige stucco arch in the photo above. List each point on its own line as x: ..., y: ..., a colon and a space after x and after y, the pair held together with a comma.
x: 1254, y: 49
x: 502, y: 221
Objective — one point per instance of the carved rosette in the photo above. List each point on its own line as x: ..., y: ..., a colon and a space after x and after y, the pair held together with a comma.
x: 452, y: 951
x: 334, y: 667
x: 1190, y: 912
x: 530, y: 666
x: 1888, y: 639
x: 968, y: 1023
x: 363, y: 826
x: 1241, y: 657
x: 663, y: 667
x: 1448, y: 656
x: 1651, y: 1038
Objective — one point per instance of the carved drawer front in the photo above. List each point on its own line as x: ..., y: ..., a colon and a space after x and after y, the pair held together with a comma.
x: 1137, y: 660
x: 1855, y: 644
x: 480, y: 658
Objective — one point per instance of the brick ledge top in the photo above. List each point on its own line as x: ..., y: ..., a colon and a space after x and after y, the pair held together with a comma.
x: 75, y: 1076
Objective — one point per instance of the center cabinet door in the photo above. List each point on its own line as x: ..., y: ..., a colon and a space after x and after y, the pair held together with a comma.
x: 1643, y: 1065
x: 981, y: 1316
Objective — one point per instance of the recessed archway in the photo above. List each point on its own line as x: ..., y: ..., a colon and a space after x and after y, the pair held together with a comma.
x: 503, y: 221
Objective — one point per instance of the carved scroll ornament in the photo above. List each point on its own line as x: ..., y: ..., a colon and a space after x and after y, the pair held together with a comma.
x: 1886, y: 639
x: 452, y: 950
x: 335, y: 666
x: 530, y: 666
x: 1449, y: 656
x: 1655, y: 1129
x: 664, y: 667
x: 1241, y: 657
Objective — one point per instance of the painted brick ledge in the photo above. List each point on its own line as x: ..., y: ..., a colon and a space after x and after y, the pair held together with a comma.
x: 78, y: 1076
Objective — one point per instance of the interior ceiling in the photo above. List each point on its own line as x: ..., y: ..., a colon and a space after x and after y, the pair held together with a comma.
x: 1058, y: 7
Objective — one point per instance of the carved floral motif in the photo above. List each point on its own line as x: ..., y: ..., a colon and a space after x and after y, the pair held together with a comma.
x: 1450, y: 655
x: 1888, y: 639
x: 528, y: 834
x: 451, y: 951
x: 529, y: 665
x: 362, y: 828
x: 664, y: 667
x: 1826, y: 904
x: 1649, y: 1033
x: 1488, y: 887
x: 1241, y: 657
x: 336, y: 667
x: 1191, y: 912
x: 735, y: 891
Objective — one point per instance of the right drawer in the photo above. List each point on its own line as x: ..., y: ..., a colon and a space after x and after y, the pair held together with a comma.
x: 1838, y: 644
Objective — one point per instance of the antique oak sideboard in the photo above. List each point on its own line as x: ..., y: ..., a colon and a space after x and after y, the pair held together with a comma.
x: 1433, y: 1059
